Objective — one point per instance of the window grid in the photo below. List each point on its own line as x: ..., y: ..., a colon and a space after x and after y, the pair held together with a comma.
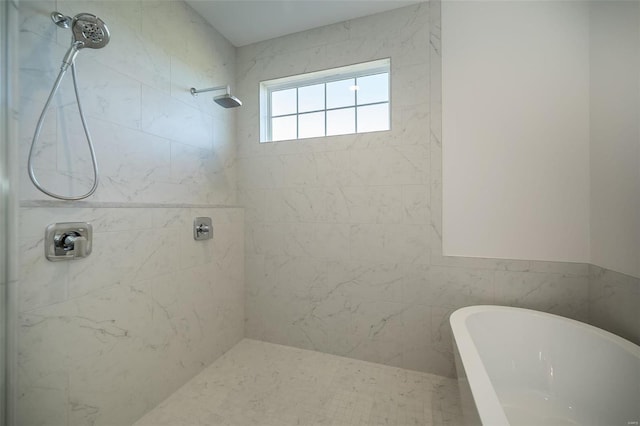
x: 355, y: 109
x: 297, y: 114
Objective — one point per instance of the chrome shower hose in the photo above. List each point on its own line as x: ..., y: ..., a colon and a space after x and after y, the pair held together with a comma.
x: 36, y: 135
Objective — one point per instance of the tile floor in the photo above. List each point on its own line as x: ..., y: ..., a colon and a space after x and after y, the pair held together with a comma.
x: 258, y: 383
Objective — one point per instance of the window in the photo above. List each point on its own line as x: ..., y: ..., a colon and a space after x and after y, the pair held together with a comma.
x: 339, y: 101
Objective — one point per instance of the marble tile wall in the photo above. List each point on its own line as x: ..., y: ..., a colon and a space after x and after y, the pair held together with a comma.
x: 343, y: 234
x: 155, y: 142
x: 614, y: 299
x: 103, y: 339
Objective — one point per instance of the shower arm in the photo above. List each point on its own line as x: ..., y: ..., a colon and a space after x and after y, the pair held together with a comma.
x: 195, y: 91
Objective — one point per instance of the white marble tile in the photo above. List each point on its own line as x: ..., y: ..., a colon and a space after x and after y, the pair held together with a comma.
x: 41, y: 282
x: 307, y: 40
x: 389, y: 191
x: 171, y: 218
x: 318, y: 240
x: 121, y: 14
x: 555, y: 293
x: 357, y: 49
x: 68, y: 336
x: 441, y: 348
x: 146, y: 255
x: 184, y: 76
x: 412, y: 126
x: 405, y: 165
x: 416, y: 337
x: 296, y: 278
x: 197, y: 37
x: 44, y: 156
x: 300, y: 170
x: 266, y: 239
x: 130, y: 154
x: 119, y: 189
x: 564, y: 268
x: 124, y: 154
x: 415, y: 204
x: 39, y: 63
x: 374, y: 332
x: 119, y: 102
x: 407, y: 20
x: 153, y: 20
x: 164, y: 116
x: 34, y: 220
x: 258, y: 172
x: 34, y: 17
x: 146, y: 62
x: 332, y: 168
x: 96, y: 346
x: 410, y: 87
x: 43, y: 406
x: 191, y: 165
x: 292, y: 63
x: 107, y: 94
x: 373, y: 204
x: 458, y: 287
x: 254, y: 202
x: 309, y: 205
x: 191, y: 252
x: 613, y: 302
x: 366, y: 281
x: 228, y: 244
x: 300, y: 187
x: 293, y: 386
x: 390, y: 243
x: 140, y: 322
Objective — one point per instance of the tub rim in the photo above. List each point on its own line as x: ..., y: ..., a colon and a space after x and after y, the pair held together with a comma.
x: 485, y: 398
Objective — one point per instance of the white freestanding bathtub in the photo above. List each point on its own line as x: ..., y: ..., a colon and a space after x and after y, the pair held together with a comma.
x: 523, y: 367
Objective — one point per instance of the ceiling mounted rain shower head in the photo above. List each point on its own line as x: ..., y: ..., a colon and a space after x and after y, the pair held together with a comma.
x: 227, y: 100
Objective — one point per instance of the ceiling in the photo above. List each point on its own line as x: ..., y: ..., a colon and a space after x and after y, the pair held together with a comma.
x: 244, y: 22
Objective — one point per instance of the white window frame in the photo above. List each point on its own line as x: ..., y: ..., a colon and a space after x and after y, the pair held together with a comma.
x: 364, y: 69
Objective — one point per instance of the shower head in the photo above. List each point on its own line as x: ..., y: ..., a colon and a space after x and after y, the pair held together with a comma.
x: 89, y: 31
x: 228, y: 101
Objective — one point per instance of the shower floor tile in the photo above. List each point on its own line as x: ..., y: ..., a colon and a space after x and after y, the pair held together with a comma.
x: 258, y: 383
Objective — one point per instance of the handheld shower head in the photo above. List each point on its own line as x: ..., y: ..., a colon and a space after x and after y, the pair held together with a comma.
x: 89, y: 31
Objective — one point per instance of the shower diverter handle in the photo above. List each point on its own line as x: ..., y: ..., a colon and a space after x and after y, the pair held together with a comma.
x: 202, y: 229
x: 68, y: 241
x: 71, y: 242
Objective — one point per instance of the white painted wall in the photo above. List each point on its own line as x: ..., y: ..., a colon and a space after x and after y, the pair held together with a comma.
x: 516, y: 130
x: 615, y: 136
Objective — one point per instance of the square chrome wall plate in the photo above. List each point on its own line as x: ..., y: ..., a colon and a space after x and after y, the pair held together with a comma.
x: 202, y: 228
x: 68, y: 241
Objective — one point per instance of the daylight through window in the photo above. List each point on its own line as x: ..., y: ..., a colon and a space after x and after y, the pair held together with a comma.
x: 339, y: 101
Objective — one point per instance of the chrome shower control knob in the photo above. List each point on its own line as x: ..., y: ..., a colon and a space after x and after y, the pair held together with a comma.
x: 68, y: 241
x: 202, y: 229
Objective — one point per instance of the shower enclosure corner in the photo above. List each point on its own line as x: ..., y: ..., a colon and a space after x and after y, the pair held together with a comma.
x: 8, y: 202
